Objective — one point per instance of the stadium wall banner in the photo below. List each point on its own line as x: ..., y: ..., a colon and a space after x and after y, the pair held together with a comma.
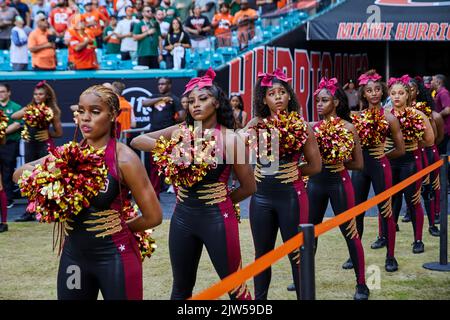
x: 305, y: 67
x: 384, y: 20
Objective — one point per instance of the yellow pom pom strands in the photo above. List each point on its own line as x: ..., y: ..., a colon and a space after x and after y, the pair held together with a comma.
x: 335, y: 141
x: 372, y: 127
x: 186, y: 158
x: 3, y: 125
x: 65, y: 183
x: 411, y: 124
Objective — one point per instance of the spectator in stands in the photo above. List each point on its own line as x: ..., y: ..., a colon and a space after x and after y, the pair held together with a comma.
x: 266, y: 6
x: 138, y: 7
x: 164, y: 26
x: 111, y: 38
x: 198, y: 27
x: 222, y: 23
x: 126, y: 115
x: 170, y: 11
x: 176, y: 43
x: 148, y: 35
x: 7, y: 15
x: 235, y: 6
x: 94, y: 20
x: 59, y: 20
x: 10, y: 150
x: 19, y: 50
x: 42, y: 7
x: 121, y: 6
x: 208, y: 7
x: 41, y: 44
x: 109, y: 7
x: 245, y: 20
x: 23, y: 10
x: 124, y: 31
x: 352, y: 95
x: 101, y: 8
x: 82, y: 43
x: 166, y: 111
x: 184, y: 7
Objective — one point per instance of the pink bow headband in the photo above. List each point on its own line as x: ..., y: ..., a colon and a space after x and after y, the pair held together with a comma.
x: 330, y: 85
x: 41, y: 84
x: 364, y: 79
x: 267, y: 78
x: 201, y: 82
x: 403, y: 79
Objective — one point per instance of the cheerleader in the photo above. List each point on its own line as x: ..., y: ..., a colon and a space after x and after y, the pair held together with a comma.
x: 373, y: 125
x: 417, y: 131
x: 340, y: 150
x: 3, y: 199
x: 100, y: 247
x: 38, y: 116
x: 431, y: 185
x: 280, y: 201
x: 205, y: 213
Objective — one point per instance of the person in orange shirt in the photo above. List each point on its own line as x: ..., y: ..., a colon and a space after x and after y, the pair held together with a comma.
x: 245, y: 20
x: 222, y: 23
x: 59, y: 19
x: 126, y: 115
x: 41, y: 44
x: 95, y: 20
x: 82, y: 46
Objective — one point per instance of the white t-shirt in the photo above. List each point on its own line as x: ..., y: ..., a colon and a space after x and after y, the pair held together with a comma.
x: 124, y: 27
x: 19, y: 54
x: 121, y: 5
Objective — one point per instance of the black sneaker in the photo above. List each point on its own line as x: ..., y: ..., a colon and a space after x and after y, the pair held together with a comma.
x: 291, y: 287
x: 434, y: 231
x: 437, y: 218
x: 418, y: 246
x: 362, y: 292
x: 26, y: 217
x: 391, y: 265
x: 10, y: 204
x: 397, y: 228
x: 3, y: 227
x: 348, y: 264
x: 379, y: 243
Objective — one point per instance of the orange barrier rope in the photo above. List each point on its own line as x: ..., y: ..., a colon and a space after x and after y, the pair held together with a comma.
x: 234, y: 280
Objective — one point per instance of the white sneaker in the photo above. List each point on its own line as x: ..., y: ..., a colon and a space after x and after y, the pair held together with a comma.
x: 170, y: 190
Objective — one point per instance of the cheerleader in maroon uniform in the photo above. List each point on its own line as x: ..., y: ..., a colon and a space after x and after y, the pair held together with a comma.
x: 422, y: 101
x: 205, y: 213
x: 340, y: 150
x: 99, y: 246
x: 374, y: 125
x: 417, y: 131
x: 280, y: 201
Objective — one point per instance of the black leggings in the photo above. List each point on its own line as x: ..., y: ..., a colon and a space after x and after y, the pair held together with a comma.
x: 111, y: 265
x: 214, y: 226
x: 402, y: 168
x: 337, y: 187
x: 431, y: 186
x: 275, y: 206
x: 377, y: 172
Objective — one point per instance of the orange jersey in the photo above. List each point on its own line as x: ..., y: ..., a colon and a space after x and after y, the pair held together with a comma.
x: 59, y: 18
x: 86, y: 58
x: 225, y: 22
x: 93, y: 21
x: 124, y: 117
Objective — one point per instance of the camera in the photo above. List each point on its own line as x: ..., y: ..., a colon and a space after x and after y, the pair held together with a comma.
x: 51, y: 38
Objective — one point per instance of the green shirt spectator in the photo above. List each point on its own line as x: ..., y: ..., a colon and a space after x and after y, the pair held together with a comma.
x: 148, y: 45
x: 111, y: 40
x: 170, y: 11
x: 8, y: 109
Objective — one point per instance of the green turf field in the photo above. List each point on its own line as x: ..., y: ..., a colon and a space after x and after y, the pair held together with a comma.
x: 28, y: 267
